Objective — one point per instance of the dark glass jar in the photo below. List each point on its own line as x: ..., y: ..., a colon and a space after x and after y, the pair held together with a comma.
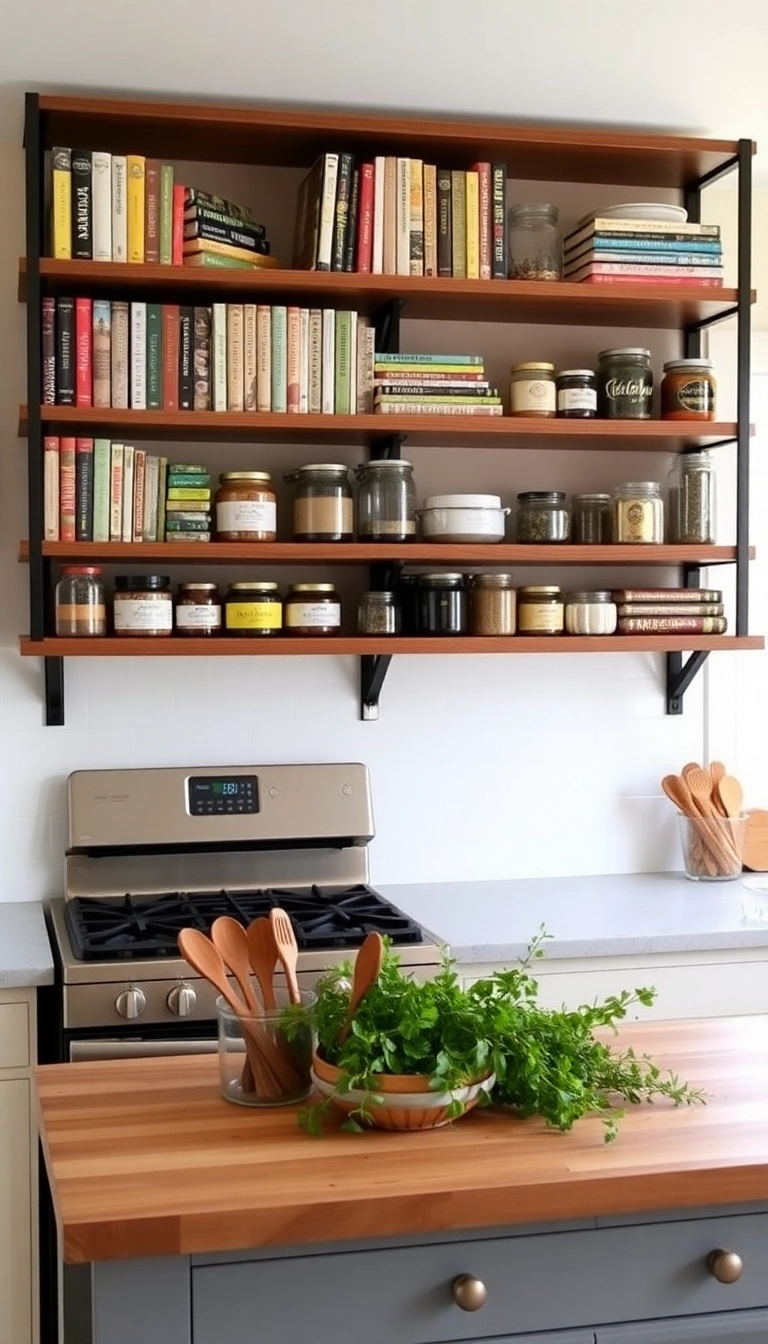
x: 198, y: 609
x: 312, y: 609
x: 624, y: 383
x: 253, y: 608
x: 542, y: 516
x: 142, y: 605
x: 591, y: 519
x: 442, y: 604
x: 576, y: 391
x: 408, y: 595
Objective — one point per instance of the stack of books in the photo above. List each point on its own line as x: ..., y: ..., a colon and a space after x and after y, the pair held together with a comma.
x: 604, y: 250
x: 670, y: 611
x: 219, y: 232
x: 398, y: 216
x: 433, y: 385
x: 188, y: 503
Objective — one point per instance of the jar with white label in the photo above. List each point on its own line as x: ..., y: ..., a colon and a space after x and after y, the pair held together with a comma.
x: 540, y: 610
x: 246, y: 507
x: 576, y: 394
x: 532, y: 390
x: 142, y: 605
x: 638, y: 513
x: 198, y: 609
x: 312, y: 609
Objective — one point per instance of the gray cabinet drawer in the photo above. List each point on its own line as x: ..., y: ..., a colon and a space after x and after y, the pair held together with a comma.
x: 544, y: 1282
x: 733, y: 1327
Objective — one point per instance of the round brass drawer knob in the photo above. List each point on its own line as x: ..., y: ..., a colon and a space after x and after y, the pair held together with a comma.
x: 725, y: 1266
x: 469, y: 1293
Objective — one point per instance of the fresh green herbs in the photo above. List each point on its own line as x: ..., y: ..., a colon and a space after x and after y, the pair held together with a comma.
x: 546, y: 1062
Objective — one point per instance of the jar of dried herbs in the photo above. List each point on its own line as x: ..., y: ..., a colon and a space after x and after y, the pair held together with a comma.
x: 693, y: 500
x: 378, y: 613
x: 542, y: 516
x: 591, y: 519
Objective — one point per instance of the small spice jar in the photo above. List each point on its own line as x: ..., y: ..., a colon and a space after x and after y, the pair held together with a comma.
x: 532, y: 390
x: 542, y: 516
x: 246, y: 507
x: 576, y: 391
x: 688, y: 390
x: 198, y: 609
x: 253, y: 608
x: 693, y: 500
x: 535, y: 242
x: 638, y: 513
x: 386, y: 500
x: 590, y: 613
x: 540, y: 610
x: 591, y: 519
x: 442, y: 604
x: 142, y: 605
x: 323, y: 507
x: 378, y: 613
x: 80, y: 608
x: 492, y: 604
x: 624, y: 383
x: 312, y: 609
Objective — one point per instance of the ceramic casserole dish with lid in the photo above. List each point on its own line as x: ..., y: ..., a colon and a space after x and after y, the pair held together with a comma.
x: 469, y: 518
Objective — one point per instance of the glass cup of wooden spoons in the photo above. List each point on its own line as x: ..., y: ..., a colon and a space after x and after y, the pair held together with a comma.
x: 265, y: 1057
x: 713, y: 847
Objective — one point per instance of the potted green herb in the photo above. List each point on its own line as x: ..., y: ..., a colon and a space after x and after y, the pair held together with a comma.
x: 453, y: 1048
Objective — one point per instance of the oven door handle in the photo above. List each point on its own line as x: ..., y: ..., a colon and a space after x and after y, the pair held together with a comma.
x: 137, y: 1049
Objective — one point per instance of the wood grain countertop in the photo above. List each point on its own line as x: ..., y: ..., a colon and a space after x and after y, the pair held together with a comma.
x: 145, y: 1158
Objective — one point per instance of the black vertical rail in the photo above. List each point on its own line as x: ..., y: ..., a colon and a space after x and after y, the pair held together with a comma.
x: 743, y: 354
x: 692, y: 336
x: 34, y: 227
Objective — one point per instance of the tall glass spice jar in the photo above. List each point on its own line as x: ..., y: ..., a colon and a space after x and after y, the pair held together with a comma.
x: 540, y: 610
x: 638, y: 513
x: 492, y: 604
x: 442, y: 604
x: 535, y: 242
x: 591, y: 519
x: 142, y: 605
x: 693, y: 500
x: 386, y: 500
x: 246, y: 507
x: 198, y: 609
x: 80, y: 608
x: 624, y: 383
x: 323, y: 506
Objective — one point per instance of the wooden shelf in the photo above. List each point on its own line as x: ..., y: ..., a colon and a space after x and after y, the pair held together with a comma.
x: 663, y: 306
x: 181, y: 647
x: 286, y: 136
x: 505, y: 431
x: 367, y: 553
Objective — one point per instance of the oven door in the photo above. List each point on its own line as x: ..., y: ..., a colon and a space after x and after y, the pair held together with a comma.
x: 137, y: 1049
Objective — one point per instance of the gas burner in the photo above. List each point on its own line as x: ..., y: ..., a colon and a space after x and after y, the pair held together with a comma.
x: 322, y: 917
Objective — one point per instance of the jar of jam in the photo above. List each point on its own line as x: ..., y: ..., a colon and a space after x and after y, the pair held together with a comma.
x: 442, y: 604
x: 246, y: 507
x: 532, y: 390
x: 142, y: 605
x: 312, y: 609
x: 576, y: 391
x: 198, y: 609
x: 253, y: 608
x: 80, y: 608
x: 323, y: 507
x: 688, y: 390
x: 624, y: 383
x: 540, y: 610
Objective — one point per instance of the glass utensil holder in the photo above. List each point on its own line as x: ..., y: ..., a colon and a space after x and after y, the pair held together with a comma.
x: 265, y: 1057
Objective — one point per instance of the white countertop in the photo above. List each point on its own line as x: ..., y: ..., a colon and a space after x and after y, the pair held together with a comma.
x: 25, y: 952
x: 622, y: 915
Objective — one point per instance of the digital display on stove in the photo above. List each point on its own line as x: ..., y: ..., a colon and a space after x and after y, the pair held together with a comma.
x: 222, y: 795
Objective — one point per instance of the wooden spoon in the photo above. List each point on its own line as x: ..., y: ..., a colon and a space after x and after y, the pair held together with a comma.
x: 231, y: 940
x: 287, y: 951
x: 366, y: 973
x: 718, y: 841
x: 677, y: 790
x: 204, y: 958
x: 691, y: 765
x: 716, y: 772
x: 731, y: 795
x: 263, y: 957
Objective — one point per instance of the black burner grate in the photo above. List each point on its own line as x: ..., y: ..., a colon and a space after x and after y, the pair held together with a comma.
x: 322, y: 917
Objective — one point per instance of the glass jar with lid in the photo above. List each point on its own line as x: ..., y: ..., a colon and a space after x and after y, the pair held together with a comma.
x: 638, y: 513
x: 142, y: 605
x: 592, y: 613
x: 198, y: 609
x: 492, y: 604
x: 386, y: 500
x: 253, y: 607
x: 246, y: 507
x: 591, y: 519
x: 576, y: 394
x: 532, y: 389
x: 535, y: 242
x: 624, y: 383
x: 80, y: 607
x: 688, y: 390
x: 540, y: 609
x: 312, y: 609
x: 323, y: 507
x: 378, y: 613
x: 542, y: 516
x: 693, y: 500
x: 442, y: 604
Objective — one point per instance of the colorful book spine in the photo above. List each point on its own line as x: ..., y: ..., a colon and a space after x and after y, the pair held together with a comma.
x: 154, y: 357
x: 430, y: 219
x: 499, y: 261
x: 341, y: 213
x: 444, y: 222
x: 186, y: 382
x: 126, y: 520
x: 83, y: 352
x: 353, y: 216
x: 201, y: 358
x: 315, y: 390
x: 170, y: 318
x: 119, y: 207
x: 377, y: 218
x: 459, y: 223
x: 177, y: 225
x: 485, y: 219
x: 121, y: 345
x: 102, y: 353
x: 139, y: 473
x: 162, y: 476
x: 327, y: 212
x: 416, y: 217
x: 166, y: 214
x: 250, y: 357
x: 116, y: 492
x: 48, y: 351
x: 472, y: 203
x: 51, y: 473
x: 61, y: 164
x: 83, y: 489
x: 151, y: 212
x: 343, y: 370
x: 235, y: 356
x: 151, y: 476
x: 82, y: 222
x: 136, y: 206
x: 138, y: 359
x: 263, y: 358
x: 101, y: 473
x: 672, y: 625
x: 101, y: 201
x: 293, y: 374
x: 402, y: 217
x: 65, y: 352
x: 67, y: 490
x: 219, y: 357
x: 329, y: 362
x: 279, y: 359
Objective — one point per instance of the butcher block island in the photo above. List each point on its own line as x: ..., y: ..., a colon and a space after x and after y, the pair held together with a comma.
x: 206, y: 1223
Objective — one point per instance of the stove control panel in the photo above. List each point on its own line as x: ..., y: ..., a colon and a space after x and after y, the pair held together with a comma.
x: 222, y: 795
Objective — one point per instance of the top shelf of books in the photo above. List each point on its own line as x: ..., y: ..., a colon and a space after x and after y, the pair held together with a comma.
x: 294, y: 137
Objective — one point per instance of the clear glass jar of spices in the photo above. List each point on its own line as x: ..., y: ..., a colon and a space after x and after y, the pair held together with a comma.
x: 386, y: 500
x: 198, y: 609
x: 492, y: 604
x: 591, y: 519
x: 312, y: 609
x: 542, y: 516
x: 323, y: 507
x: 142, y: 605
x: 442, y: 604
x: 378, y: 613
x: 253, y: 607
x: 540, y: 610
x: 535, y: 242
x: 576, y: 391
x: 624, y: 383
x: 590, y: 613
x: 80, y: 608
x: 638, y: 513
x: 532, y: 389
x: 693, y: 500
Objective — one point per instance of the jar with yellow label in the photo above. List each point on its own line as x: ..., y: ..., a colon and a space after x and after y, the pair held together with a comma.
x: 312, y: 609
x: 540, y: 610
x: 253, y: 608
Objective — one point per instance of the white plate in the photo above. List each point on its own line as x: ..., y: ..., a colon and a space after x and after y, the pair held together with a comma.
x: 652, y: 210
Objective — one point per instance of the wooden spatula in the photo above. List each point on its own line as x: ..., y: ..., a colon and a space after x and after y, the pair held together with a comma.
x: 287, y: 951
x: 366, y: 973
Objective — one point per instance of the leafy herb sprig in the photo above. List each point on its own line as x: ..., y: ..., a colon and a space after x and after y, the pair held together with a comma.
x: 546, y: 1062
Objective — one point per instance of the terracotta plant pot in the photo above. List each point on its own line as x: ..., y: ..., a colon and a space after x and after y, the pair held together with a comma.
x: 399, y: 1101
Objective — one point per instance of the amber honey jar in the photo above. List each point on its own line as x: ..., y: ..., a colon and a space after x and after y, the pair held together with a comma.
x: 688, y: 390
x: 246, y: 507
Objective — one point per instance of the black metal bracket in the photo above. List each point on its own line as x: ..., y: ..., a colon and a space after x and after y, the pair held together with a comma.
x: 680, y: 675
x: 373, y: 671
x: 54, y: 692
x: 386, y: 324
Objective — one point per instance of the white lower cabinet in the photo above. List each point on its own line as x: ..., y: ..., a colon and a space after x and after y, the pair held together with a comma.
x: 18, y: 1170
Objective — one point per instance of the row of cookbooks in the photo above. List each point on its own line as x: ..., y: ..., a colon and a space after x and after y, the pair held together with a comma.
x: 220, y: 357
x: 100, y: 490
x: 129, y: 208
x: 606, y: 249
x: 402, y: 216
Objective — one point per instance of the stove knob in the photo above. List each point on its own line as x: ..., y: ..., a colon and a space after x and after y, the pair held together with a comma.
x: 182, y: 1000
x: 131, y: 1003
